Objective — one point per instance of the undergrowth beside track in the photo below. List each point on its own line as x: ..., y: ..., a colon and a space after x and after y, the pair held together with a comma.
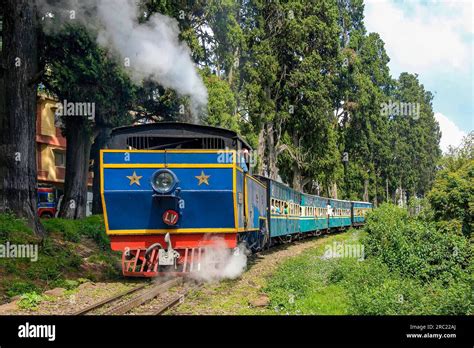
x: 73, y: 251
x: 409, y: 268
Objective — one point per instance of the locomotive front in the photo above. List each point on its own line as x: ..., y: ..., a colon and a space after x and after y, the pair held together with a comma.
x: 168, y: 192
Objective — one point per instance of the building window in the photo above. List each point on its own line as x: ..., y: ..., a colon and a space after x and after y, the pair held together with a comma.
x: 59, y: 158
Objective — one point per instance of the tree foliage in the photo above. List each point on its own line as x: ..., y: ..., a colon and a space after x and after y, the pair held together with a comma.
x: 452, y: 195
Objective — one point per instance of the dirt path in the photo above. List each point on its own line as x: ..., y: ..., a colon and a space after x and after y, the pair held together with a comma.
x: 245, y: 294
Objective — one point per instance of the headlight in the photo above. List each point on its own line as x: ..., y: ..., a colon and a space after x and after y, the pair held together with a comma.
x: 163, y: 181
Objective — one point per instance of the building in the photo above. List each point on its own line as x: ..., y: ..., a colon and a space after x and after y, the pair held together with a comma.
x: 50, y: 144
x: 51, y: 149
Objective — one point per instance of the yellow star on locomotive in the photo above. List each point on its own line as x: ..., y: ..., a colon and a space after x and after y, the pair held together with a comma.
x: 203, y: 178
x: 134, y: 179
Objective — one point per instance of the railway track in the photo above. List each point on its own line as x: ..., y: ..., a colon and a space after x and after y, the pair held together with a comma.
x: 139, y: 303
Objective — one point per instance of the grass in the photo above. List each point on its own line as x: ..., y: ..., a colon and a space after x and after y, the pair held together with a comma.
x: 284, y: 285
x: 304, y: 284
x: 62, y: 255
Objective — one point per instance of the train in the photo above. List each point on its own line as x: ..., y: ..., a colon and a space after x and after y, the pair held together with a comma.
x: 170, y: 190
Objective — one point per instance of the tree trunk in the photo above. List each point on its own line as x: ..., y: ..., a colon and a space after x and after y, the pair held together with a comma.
x: 235, y: 61
x: 19, y: 65
x: 376, y: 192
x: 261, y: 151
x: 297, y: 175
x: 77, y: 168
x: 365, y: 197
x: 100, y: 142
x: 272, y: 152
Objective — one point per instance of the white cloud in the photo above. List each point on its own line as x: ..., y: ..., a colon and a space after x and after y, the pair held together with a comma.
x: 423, y: 38
x: 450, y: 133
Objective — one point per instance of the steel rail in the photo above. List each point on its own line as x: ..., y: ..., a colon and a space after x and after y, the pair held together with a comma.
x: 173, y: 301
x: 108, y: 300
x: 169, y: 304
x: 142, y: 298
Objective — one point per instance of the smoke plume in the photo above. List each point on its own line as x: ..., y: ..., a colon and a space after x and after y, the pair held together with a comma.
x: 149, y: 50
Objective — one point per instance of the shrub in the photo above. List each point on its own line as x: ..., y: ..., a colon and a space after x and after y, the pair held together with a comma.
x: 20, y: 287
x: 452, y: 195
x: 31, y: 301
x: 415, y: 247
x: 65, y: 283
x: 374, y: 290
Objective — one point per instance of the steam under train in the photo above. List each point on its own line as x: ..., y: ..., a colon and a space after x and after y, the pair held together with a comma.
x: 169, y: 189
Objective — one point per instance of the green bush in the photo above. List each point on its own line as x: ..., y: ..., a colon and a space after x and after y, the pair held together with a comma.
x: 452, y: 195
x: 67, y: 284
x: 373, y: 290
x: 31, y: 301
x: 19, y: 288
x: 414, y: 247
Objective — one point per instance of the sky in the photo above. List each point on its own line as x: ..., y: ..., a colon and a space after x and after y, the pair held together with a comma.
x: 433, y: 38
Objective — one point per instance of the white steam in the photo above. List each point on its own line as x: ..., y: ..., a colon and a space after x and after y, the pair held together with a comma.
x: 150, y: 50
x: 218, y: 262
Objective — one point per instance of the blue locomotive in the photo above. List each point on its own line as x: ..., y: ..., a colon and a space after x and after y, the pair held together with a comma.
x: 170, y: 190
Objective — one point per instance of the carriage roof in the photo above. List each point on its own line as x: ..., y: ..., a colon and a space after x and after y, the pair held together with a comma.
x: 168, y: 133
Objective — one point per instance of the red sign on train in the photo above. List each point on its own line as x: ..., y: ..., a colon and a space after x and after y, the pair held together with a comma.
x: 170, y: 217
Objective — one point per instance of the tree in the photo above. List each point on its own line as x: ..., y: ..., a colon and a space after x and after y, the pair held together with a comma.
x: 78, y: 71
x: 414, y: 137
x: 18, y: 83
x: 222, y: 103
x: 363, y: 84
x: 452, y: 195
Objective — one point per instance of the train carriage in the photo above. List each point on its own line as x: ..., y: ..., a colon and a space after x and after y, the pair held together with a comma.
x: 339, y: 213
x: 284, y: 205
x: 359, y: 211
x: 314, y: 213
